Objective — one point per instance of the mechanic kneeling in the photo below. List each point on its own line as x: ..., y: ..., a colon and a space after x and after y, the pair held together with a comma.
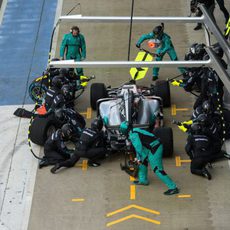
x: 90, y: 145
x: 55, y: 149
x: 199, y: 149
x: 71, y: 116
x: 148, y: 149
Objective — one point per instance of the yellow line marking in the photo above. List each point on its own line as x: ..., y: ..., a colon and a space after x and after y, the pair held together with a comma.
x: 185, y: 161
x: 131, y: 178
x: 84, y: 165
x: 133, y: 206
x: 182, y: 109
x: 173, y: 110
x: 78, y: 200
x: 178, y: 164
x: 133, y: 216
x: 179, y: 161
x: 83, y: 113
x: 132, y: 192
x: 89, y: 113
x: 184, y: 196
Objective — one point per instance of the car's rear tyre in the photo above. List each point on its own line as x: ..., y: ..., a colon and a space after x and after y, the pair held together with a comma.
x: 162, y: 90
x: 97, y: 91
x: 41, y: 129
x: 166, y: 136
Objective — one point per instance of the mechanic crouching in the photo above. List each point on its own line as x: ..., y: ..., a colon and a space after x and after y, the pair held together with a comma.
x: 148, y: 149
x: 75, y: 119
x: 55, y: 149
x: 199, y: 149
x: 90, y: 145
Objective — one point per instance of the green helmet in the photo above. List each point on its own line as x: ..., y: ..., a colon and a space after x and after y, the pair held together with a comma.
x: 124, y: 127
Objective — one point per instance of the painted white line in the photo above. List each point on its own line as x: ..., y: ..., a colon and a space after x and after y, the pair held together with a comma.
x: 3, y: 7
x: 57, y: 16
x: 17, y: 171
x: 227, y: 148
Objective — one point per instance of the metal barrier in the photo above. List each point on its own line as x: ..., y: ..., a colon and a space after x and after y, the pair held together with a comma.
x: 205, y: 19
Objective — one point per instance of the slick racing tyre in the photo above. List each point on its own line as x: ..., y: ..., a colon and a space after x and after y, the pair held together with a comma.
x: 162, y: 90
x: 166, y: 136
x: 97, y: 91
x: 37, y: 91
x: 41, y: 129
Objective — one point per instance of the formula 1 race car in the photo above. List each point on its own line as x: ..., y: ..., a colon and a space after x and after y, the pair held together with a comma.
x: 139, y: 106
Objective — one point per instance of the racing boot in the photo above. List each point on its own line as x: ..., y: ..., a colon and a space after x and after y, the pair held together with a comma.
x: 206, y: 174
x: 55, y: 168
x: 92, y: 163
x: 142, y: 175
x: 44, y: 162
x: 154, y: 78
x: 198, y: 27
x: 171, y: 192
x: 226, y: 155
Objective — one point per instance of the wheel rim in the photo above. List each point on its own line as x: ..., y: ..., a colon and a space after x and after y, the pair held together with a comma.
x: 51, y: 129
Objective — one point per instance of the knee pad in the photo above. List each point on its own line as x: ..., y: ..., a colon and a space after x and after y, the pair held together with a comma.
x: 145, y: 163
x: 163, y: 172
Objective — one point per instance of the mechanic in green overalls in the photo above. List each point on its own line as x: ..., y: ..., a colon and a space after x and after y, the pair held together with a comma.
x: 165, y: 47
x: 148, y: 149
x: 73, y: 47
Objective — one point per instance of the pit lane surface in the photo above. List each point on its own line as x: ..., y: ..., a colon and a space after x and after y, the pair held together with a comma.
x: 104, y: 197
x: 24, y: 45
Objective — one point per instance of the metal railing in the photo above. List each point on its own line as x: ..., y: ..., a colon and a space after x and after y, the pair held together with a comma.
x: 205, y: 19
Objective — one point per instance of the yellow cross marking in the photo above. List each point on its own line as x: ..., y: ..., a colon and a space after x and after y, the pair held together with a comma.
x: 174, y: 109
x: 84, y: 165
x: 87, y: 114
x: 132, y: 192
x: 78, y: 200
x: 179, y: 161
x: 131, y: 178
x: 133, y: 206
x: 184, y: 196
x: 133, y: 216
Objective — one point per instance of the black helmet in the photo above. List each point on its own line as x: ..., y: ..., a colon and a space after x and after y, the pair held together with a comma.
x: 195, y: 127
x: 198, y: 50
x: 67, y: 92
x: 63, y: 72
x: 67, y: 131
x: 206, y: 106
x: 59, y: 114
x: 57, y: 82
x: 67, y: 72
x: 53, y: 71
x: 158, y: 30
x: 71, y: 73
x: 189, y: 56
x: 202, y: 118
x: 97, y: 124
x: 218, y: 50
x: 192, y: 49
